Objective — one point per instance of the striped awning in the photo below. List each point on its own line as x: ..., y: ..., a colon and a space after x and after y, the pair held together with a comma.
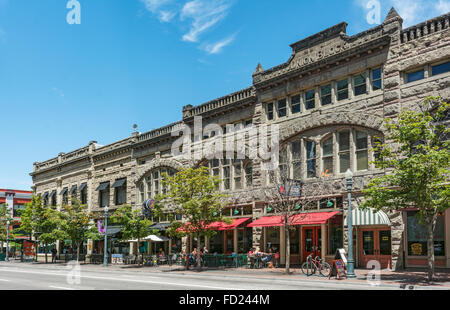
x: 368, y: 217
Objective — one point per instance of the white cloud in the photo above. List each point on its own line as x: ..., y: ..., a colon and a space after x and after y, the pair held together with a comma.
x: 217, y: 47
x: 204, y: 14
x: 159, y: 8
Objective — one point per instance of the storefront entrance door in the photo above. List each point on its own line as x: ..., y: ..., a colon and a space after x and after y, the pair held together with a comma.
x: 375, y: 244
x: 312, y: 241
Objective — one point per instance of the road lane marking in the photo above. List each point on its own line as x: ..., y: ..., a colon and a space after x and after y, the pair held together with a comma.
x: 3, y: 280
x: 129, y: 280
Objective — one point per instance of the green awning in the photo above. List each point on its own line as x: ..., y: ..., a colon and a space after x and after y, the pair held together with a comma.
x: 102, y: 186
x: 368, y: 217
x: 64, y: 191
x: 119, y: 183
x: 73, y: 189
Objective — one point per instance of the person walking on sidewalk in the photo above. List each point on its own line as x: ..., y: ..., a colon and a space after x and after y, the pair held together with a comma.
x: 54, y: 252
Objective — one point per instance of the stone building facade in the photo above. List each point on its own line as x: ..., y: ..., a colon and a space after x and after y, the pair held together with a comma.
x: 329, y: 99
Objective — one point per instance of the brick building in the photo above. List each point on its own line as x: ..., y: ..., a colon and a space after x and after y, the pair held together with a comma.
x: 329, y: 99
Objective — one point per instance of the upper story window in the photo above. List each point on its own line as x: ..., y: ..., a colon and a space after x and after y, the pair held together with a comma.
x: 281, y: 107
x: 152, y: 185
x: 235, y: 174
x: 325, y: 94
x: 376, y: 79
x: 415, y: 76
x: 120, y: 191
x: 439, y: 69
x: 339, y: 150
x: 342, y: 90
x: 295, y: 104
x: 103, y: 194
x: 344, y: 151
x: 83, y: 193
x: 310, y: 99
x: 327, y: 156
x: 311, y: 159
x: 270, y: 111
x: 362, y: 159
x: 296, y: 159
x: 52, y: 198
x: 64, y: 194
x: 359, y: 82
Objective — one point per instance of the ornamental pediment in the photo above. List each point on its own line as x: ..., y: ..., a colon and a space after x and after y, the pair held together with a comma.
x: 320, y: 48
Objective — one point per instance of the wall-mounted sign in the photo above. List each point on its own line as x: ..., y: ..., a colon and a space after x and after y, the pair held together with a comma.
x: 416, y: 249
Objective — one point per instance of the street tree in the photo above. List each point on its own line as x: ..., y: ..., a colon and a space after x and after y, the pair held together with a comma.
x: 41, y: 222
x: 290, y: 198
x: 77, y: 224
x: 192, y: 193
x: 134, y: 224
x: 4, y: 218
x: 416, y: 159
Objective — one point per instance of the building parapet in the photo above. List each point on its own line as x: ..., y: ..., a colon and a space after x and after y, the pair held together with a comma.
x: 190, y: 111
x: 426, y: 28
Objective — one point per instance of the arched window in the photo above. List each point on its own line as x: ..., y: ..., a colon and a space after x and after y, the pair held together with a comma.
x: 151, y: 184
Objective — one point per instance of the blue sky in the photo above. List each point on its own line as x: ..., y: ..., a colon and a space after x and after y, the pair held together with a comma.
x: 141, y: 61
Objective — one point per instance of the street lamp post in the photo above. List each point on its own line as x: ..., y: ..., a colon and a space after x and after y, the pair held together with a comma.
x: 351, y: 262
x: 7, y: 241
x: 105, y: 252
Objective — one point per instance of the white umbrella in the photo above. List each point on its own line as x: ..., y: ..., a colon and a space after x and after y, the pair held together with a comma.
x: 155, y: 238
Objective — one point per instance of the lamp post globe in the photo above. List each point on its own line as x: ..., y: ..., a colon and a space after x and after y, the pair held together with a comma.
x: 351, y: 261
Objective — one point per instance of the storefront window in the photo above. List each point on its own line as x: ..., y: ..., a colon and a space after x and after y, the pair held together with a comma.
x: 216, y: 243
x: 417, y: 236
x: 294, y: 238
x: 273, y: 239
x: 335, y: 234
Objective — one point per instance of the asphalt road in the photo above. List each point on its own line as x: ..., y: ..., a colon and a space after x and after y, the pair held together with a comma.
x: 29, y: 277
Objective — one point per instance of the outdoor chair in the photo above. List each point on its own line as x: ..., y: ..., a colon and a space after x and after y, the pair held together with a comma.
x: 131, y: 259
x: 162, y: 260
x: 172, y: 259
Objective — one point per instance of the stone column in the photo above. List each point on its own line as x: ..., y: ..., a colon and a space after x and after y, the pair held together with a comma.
x: 323, y: 232
x: 282, y: 245
x: 397, y: 229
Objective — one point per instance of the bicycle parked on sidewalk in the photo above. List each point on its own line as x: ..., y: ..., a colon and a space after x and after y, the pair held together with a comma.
x: 313, y: 265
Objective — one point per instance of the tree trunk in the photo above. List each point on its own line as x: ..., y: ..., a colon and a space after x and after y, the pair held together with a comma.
x: 139, y: 251
x: 430, y: 248
x: 288, y: 248
x: 78, y: 251
x: 199, y: 244
x: 45, y: 253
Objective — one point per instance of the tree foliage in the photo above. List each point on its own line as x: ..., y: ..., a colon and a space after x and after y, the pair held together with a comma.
x: 416, y: 160
x: 192, y: 193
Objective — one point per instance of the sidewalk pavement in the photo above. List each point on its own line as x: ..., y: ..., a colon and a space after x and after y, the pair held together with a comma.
x: 406, y: 279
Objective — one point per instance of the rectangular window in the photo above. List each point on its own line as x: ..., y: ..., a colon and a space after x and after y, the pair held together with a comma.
x: 415, y: 76
x: 439, y: 69
x: 327, y: 156
x: 335, y: 234
x: 237, y: 174
x: 342, y: 88
x: 310, y: 97
x: 376, y: 79
x: 296, y: 159
x: 226, y: 178
x: 311, y: 159
x: 362, y: 159
x: 359, y: 82
x: 325, y: 93
x: 149, y: 188
x: 83, y: 195
x: 344, y: 151
x: 121, y: 195
x: 284, y: 171
x: 295, y: 104
x: 270, y: 111
x: 417, y: 236
x: 248, y: 175
x: 104, y: 198
x: 282, y: 108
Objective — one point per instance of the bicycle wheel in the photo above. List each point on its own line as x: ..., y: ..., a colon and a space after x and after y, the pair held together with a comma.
x: 305, y: 269
x: 325, y: 269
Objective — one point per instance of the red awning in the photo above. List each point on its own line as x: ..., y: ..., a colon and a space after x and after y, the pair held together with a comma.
x: 234, y: 224
x: 218, y: 225
x: 297, y: 219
